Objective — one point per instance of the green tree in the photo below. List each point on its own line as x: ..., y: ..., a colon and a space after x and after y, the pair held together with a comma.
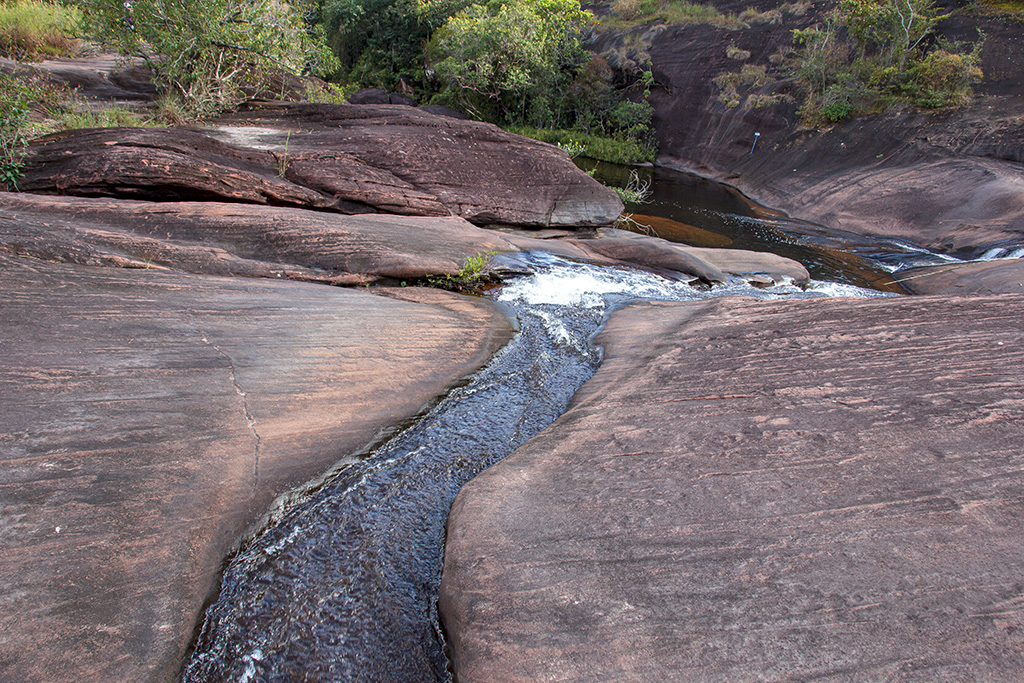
x: 209, y: 52
x: 511, y: 62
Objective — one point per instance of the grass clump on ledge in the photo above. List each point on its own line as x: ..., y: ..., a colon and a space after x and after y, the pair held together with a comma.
x: 630, y: 13
x: 35, y: 29
x: 471, y: 277
x: 597, y: 147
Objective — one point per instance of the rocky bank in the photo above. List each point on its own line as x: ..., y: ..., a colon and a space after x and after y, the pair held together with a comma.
x: 950, y: 180
x: 173, y: 361
x: 824, y: 489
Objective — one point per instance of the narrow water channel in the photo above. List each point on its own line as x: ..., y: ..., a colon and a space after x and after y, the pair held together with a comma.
x: 343, y: 587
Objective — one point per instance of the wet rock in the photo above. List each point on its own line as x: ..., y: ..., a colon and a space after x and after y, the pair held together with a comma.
x: 1004, y: 276
x: 343, y: 158
x: 944, y: 179
x: 239, y: 239
x: 149, y: 418
x: 760, y: 491
x: 651, y: 252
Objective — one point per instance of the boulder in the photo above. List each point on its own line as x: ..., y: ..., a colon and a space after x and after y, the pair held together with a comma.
x: 342, y: 158
x: 760, y: 491
x: 476, y: 170
x: 149, y: 419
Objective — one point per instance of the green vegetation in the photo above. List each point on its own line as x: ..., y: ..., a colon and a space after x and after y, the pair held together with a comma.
x: 511, y: 62
x: 591, y: 146
x: 470, y: 278
x: 630, y: 13
x: 867, y: 55
x: 36, y: 29
x: 30, y: 106
x: 210, y: 53
x: 636, y: 191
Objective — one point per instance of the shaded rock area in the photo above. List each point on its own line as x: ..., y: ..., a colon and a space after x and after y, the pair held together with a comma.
x: 103, y: 77
x: 945, y: 179
x: 1005, y: 276
x: 343, y: 158
x: 147, y: 419
x: 821, y: 489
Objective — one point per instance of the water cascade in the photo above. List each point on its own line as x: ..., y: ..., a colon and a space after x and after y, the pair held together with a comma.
x: 343, y: 586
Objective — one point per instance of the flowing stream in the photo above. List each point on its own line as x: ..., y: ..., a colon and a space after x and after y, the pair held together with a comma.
x: 343, y: 586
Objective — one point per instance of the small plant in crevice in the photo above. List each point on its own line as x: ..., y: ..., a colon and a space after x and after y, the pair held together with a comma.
x: 636, y: 191
x: 471, y: 277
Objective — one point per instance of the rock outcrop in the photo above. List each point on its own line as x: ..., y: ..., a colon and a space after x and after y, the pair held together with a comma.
x: 760, y: 491
x: 239, y: 239
x: 217, y: 238
x: 344, y: 158
x: 948, y: 180
x: 149, y: 418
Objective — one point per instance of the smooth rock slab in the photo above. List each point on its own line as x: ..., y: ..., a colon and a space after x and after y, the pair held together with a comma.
x: 1003, y: 276
x: 749, y: 491
x: 219, y: 238
x: 148, y: 419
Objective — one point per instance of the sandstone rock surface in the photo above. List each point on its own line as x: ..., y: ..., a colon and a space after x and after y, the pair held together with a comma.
x: 343, y: 158
x: 945, y: 179
x: 148, y: 418
x: 1003, y: 276
x: 239, y: 239
x: 825, y: 489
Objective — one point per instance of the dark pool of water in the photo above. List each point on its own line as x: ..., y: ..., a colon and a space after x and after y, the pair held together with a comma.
x: 690, y: 209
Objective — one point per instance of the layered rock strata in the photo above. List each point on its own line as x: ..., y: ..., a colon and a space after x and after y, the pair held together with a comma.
x: 760, y: 491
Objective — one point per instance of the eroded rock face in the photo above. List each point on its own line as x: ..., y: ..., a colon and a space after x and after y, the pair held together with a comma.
x: 760, y: 491
x: 343, y: 158
x: 149, y: 418
x: 944, y: 179
x: 239, y: 239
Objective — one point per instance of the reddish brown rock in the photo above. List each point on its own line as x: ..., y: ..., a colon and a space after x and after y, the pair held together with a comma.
x: 147, y: 419
x: 824, y: 489
x: 1005, y: 276
x: 944, y: 179
x: 239, y: 239
x: 476, y: 170
x: 345, y: 158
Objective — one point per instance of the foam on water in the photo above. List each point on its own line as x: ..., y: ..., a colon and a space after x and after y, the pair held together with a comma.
x: 343, y: 586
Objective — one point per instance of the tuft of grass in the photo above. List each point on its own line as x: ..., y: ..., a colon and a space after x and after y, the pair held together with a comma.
x: 75, y: 113
x: 612, y: 150
x: 630, y: 13
x: 470, y: 278
x: 38, y: 29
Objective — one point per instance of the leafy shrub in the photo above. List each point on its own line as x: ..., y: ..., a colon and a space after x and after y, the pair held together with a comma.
x: 36, y: 29
x: 208, y: 52
x: 867, y: 54
x: 19, y: 99
x: 511, y: 63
